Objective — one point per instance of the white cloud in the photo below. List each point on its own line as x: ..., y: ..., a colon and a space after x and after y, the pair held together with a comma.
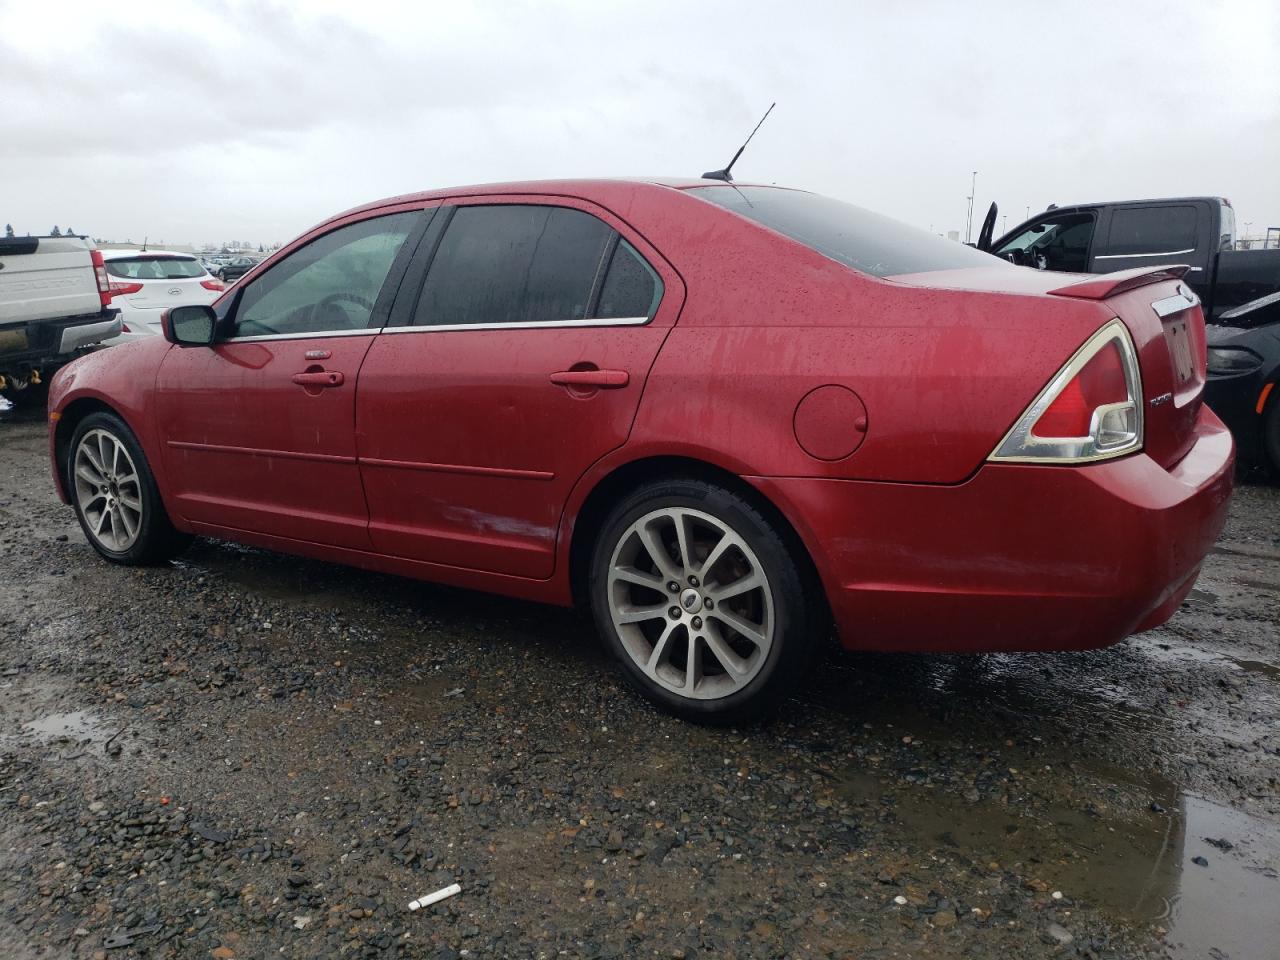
x: 189, y: 121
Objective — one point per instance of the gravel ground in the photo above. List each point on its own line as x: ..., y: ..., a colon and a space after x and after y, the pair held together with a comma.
x: 250, y: 755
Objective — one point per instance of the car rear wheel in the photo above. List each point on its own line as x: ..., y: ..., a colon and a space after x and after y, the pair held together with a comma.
x: 703, y: 602
x: 115, y: 495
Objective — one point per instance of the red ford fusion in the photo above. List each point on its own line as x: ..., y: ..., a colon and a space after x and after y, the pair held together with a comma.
x: 724, y: 417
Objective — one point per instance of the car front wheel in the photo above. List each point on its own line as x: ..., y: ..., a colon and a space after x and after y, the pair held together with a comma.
x: 115, y: 495
x: 703, y: 602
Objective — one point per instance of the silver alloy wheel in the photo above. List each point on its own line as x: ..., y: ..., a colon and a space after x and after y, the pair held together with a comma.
x: 691, y: 603
x: 108, y: 490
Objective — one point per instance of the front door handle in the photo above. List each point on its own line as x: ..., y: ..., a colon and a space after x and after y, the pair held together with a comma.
x: 319, y: 378
x: 597, y: 379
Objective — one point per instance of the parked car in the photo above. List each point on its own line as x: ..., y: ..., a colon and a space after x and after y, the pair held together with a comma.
x: 1240, y: 291
x: 721, y: 416
x: 236, y: 267
x: 53, y: 304
x: 144, y: 283
x: 1244, y: 368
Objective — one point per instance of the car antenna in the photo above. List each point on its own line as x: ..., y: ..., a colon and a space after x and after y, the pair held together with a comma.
x: 724, y: 174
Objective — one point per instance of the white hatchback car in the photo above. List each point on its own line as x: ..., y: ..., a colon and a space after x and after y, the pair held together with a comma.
x: 144, y: 283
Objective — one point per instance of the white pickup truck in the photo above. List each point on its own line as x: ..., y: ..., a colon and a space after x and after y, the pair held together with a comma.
x: 54, y: 302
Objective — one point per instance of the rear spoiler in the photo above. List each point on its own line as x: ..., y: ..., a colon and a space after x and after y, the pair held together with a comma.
x: 1110, y: 284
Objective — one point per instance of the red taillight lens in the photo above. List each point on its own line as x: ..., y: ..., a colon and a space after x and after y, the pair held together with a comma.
x: 117, y: 289
x: 100, y: 275
x: 1091, y: 409
x: 213, y: 284
x: 1100, y: 381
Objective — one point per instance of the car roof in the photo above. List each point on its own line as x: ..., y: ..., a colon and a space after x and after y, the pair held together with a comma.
x: 126, y: 254
x: 1134, y: 203
x: 598, y: 190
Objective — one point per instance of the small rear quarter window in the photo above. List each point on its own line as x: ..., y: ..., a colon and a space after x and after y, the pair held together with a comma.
x: 631, y: 288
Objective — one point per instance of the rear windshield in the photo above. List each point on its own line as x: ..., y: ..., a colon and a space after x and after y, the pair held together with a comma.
x: 850, y: 235
x: 155, y: 268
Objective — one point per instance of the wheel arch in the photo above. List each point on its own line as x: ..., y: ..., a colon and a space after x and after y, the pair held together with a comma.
x: 629, y: 476
x: 71, y: 416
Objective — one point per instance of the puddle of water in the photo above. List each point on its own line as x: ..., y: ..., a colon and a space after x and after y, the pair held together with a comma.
x: 1134, y: 866
x: 77, y: 726
x: 68, y: 733
x: 1183, y: 653
x: 1233, y: 904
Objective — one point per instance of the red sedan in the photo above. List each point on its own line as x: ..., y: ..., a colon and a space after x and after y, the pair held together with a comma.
x: 722, y: 416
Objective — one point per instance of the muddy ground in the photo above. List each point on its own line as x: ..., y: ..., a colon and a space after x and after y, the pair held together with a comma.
x: 249, y: 755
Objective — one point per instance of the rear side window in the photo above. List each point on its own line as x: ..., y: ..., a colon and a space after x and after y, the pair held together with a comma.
x: 156, y: 268
x: 1146, y: 231
x: 514, y: 264
x: 858, y: 238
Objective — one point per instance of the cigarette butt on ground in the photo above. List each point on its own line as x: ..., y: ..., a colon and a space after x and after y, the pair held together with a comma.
x: 436, y: 897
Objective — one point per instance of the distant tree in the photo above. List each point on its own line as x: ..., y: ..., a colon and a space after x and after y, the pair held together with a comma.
x: 260, y: 250
x: 69, y: 232
x: 55, y: 232
x: 8, y: 229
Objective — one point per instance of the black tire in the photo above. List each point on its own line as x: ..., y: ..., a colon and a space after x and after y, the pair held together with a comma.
x: 798, y: 613
x: 157, y: 541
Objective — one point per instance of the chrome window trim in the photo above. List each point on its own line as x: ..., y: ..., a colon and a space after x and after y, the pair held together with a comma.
x: 362, y: 332
x: 521, y: 325
x: 1127, y: 256
x: 447, y: 327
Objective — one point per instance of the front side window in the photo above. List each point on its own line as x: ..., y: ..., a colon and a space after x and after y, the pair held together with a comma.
x: 329, y: 285
x: 1058, y: 243
x: 1151, y: 231
x: 513, y: 264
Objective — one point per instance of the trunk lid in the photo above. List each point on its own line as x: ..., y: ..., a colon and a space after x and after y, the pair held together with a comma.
x: 1163, y: 317
x: 1167, y: 326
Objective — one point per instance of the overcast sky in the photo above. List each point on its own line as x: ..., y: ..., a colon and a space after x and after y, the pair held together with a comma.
x: 220, y: 120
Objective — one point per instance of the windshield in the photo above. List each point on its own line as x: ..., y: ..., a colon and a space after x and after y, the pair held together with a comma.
x: 156, y: 268
x: 858, y: 238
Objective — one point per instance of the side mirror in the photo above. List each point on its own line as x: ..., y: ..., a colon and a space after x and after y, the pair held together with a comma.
x: 192, y: 326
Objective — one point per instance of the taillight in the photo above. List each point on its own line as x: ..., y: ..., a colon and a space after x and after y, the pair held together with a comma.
x: 117, y: 289
x: 1091, y: 410
x: 100, y: 275
x: 213, y: 284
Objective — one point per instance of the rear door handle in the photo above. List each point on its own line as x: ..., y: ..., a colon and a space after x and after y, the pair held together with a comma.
x: 600, y: 379
x: 321, y: 378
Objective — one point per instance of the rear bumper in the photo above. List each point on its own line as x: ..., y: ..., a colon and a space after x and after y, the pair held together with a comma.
x: 27, y: 346
x: 1019, y: 557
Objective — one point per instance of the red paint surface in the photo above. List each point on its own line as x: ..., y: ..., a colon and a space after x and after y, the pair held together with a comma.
x: 455, y: 456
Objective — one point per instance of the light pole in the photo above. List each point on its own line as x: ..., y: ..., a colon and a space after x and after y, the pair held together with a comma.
x: 968, y: 223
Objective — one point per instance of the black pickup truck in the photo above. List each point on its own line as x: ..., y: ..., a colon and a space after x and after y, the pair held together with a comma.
x: 1238, y: 289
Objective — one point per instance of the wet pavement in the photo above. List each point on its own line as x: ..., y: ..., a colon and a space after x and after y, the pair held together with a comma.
x: 247, y: 754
